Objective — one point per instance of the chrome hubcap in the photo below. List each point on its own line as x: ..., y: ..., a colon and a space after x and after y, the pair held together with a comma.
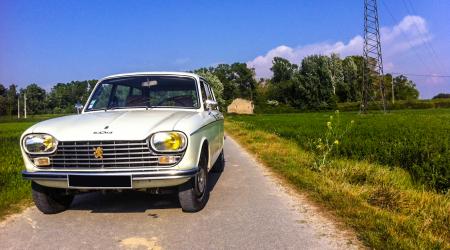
x: 201, y: 181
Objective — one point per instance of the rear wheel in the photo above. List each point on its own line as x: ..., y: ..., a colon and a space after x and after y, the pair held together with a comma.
x: 194, y: 194
x: 50, y: 200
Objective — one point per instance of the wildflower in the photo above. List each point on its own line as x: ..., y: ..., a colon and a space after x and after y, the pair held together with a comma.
x: 337, y: 112
x: 329, y: 125
x: 331, y: 117
x: 352, y: 122
x: 336, y: 142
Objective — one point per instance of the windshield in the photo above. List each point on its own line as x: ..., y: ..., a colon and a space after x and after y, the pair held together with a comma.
x: 145, y: 92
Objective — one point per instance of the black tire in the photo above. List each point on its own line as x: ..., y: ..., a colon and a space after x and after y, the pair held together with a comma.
x: 193, y: 195
x: 220, y: 164
x: 50, y: 200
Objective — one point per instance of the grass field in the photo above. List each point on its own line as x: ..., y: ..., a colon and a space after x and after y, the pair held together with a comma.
x: 14, y: 191
x: 416, y: 140
x: 370, y: 184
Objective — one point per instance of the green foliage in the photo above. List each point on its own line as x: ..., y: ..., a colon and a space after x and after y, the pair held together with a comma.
x: 317, y: 83
x: 416, y: 140
x: 237, y: 79
x: 324, y: 146
x: 61, y: 98
x: 402, y: 104
x: 215, y: 84
x: 36, y: 99
x: 442, y: 96
x: 282, y: 70
x: 404, y: 89
x: 64, y: 96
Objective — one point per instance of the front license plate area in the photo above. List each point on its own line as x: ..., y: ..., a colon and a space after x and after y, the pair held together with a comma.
x: 90, y: 181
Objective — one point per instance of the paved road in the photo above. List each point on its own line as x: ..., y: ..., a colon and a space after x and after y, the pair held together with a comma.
x: 248, y: 209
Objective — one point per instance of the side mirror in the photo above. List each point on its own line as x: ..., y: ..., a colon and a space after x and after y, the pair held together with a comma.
x: 210, y: 105
x: 79, y: 107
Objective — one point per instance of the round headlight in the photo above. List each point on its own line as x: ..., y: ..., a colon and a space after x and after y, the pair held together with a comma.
x: 39, y: 144
x: 168, y: 141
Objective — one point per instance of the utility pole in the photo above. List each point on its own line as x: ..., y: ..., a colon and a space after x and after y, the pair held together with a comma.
x: 25, y: 105
x: 18, y: 107
x: 373, y: 60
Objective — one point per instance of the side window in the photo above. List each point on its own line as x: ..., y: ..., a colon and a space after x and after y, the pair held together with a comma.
x: 205, y: 91
x: 211, y: 94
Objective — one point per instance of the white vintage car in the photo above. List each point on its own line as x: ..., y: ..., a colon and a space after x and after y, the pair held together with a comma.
x: 143, y: 131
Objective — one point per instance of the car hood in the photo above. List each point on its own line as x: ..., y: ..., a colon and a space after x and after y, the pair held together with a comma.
x: 111, y: 125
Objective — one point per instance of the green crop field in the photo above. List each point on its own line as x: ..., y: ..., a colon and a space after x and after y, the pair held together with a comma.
x: 13, y: 190
x: 416, y: 140
x: 388, y: 179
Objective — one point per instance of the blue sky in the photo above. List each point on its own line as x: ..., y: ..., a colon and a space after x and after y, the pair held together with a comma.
x: 46, y: 42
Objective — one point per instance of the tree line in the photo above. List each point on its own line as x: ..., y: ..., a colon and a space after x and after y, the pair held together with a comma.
x: 317, y: 82
x: 60, y: 99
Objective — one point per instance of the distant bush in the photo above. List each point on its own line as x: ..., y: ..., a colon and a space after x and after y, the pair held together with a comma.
x: 442, y: 96
x: 272, y: 109
x: 403, y: 104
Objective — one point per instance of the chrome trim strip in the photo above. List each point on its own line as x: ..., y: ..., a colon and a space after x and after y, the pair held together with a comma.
x: 202, y: 127
x: 142, y: 175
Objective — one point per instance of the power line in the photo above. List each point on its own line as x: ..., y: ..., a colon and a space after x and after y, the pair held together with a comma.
x: 405, y: 36
x: 433, y: 56
x: 424, y: 75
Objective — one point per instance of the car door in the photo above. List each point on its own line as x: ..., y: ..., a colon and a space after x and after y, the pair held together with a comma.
x: 213, y: 117
x: 218, y: 124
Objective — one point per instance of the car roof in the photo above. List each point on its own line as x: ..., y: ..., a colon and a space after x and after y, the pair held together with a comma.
x: 172, y: 73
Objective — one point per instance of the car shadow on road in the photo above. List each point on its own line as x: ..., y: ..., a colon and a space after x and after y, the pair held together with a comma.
x: 132, y: 201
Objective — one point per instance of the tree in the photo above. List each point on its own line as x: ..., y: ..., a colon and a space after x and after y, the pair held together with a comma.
x: 215, y: 84
x: 404, y: 89
x: 316, y: 83
x: 349, y: 89
x: 11, y: 99
x: 337, y: 75
x: 244, y: 78
x: 3, y: 100
x: 36, y: 99
x: 282, y: 69
x: 63, y: 96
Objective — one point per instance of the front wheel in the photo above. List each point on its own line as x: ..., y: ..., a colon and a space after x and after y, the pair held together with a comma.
x: 50, y: 200
x: 194, y: 194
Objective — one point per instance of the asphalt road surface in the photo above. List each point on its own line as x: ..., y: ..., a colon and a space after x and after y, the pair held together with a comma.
x: 248, y: 209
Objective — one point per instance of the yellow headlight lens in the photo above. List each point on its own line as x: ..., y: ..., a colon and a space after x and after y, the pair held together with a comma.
x: 48, y: 142
x: 168, y: 141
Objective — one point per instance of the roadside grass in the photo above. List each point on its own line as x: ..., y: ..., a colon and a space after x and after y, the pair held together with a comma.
x: 385, y: 207
x: 14, y: 191
x: 416, y: 140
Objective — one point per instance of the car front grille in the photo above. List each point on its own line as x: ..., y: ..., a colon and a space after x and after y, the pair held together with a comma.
x: 115, y: 154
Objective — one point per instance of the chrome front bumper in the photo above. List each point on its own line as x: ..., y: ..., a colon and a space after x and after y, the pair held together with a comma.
x: 140, y: 179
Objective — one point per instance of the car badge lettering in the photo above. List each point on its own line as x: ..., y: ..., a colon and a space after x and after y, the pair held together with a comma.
x: 102, y: 132
x: 98, y: 152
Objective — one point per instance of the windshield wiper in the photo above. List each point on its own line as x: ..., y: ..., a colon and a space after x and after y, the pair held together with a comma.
x: 130, y: 107
x: 99, y: 109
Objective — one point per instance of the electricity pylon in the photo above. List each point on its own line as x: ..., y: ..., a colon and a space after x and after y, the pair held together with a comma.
x: 373, y: 60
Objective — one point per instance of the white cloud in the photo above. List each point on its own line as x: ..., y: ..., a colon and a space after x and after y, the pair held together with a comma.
x: 412, y: 31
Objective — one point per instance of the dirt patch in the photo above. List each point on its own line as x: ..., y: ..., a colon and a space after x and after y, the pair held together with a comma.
x: 140, y: 243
